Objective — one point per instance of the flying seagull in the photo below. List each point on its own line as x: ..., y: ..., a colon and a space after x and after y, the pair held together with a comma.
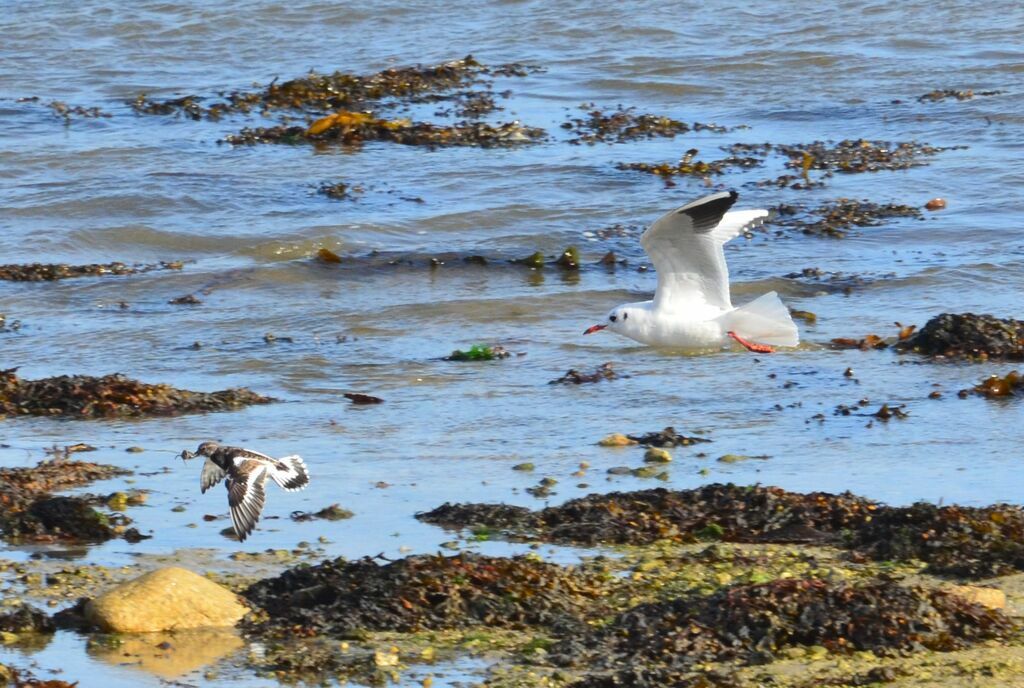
x: 246, y: 472
x: 691, y: 308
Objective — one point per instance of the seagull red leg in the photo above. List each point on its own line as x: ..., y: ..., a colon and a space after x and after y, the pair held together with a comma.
x: 751, y: 346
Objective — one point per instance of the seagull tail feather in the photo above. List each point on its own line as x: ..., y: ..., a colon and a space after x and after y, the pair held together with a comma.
x: 765, y: 320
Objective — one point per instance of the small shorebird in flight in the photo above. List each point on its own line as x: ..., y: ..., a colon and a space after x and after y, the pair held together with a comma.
x: 692, y: 308
x: 246, y: 472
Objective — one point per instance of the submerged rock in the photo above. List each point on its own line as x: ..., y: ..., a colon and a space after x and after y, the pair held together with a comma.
x: 111, y: 396
x: 968, y: 335
x: 166, y: 599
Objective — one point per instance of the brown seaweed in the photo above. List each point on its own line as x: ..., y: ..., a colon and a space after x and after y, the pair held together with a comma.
x: 111, y: 396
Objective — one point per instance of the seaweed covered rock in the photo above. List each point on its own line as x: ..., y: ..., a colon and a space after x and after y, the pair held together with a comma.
x: 111, y: 396
x: 341, y: 598
x: 973, y: 542
x: 969, y: 335
x: 751, y: 623
x: 728, y: 512
x: 166, y: 599
x: 29, y: 511
x: 71, y: 517
x: 26, y: 619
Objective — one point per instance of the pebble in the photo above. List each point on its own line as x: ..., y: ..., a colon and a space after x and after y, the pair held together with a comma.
x: 616, y: 440
x: 657, y: 455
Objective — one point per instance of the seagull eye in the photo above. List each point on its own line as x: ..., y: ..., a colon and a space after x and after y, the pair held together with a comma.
x: 625, y: 315
x: 612, y: 318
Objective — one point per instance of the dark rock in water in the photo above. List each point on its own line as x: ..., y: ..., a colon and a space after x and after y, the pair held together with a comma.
x: 752, y: 623
x: 71, y: 516
x: 967, y: 334
x: 341, y: 598
x: 26, y: 619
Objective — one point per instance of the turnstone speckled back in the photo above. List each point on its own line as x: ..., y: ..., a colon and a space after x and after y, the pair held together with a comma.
x: 246, y: 472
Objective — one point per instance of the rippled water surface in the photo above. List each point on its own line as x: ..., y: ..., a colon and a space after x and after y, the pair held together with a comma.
x: 248, y: 222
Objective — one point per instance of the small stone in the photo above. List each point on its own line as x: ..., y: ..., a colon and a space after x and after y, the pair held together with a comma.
x: 935, y: 204
x: 523, y: 466
x: 620, y: 470
x: 986, y: 597
x: 616, y: 440
x: 135, y: 450
x: 657, y: 455
x: 645, y: 472
x: 732, y: 458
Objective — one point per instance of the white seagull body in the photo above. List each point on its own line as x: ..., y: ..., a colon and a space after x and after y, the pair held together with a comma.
x: 691, y: 308
x: 246, y: 472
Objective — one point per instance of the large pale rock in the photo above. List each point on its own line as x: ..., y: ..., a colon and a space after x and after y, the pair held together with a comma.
x: 164, y: 600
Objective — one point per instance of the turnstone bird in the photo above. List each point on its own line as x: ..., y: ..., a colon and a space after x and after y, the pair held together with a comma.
x: 691, y: 308
x: 246, y: 472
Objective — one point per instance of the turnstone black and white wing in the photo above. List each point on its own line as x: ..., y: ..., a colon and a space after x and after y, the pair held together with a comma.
x: 245, y: 473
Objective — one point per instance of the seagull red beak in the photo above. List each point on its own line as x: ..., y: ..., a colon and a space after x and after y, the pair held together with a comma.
x: 594, y: 328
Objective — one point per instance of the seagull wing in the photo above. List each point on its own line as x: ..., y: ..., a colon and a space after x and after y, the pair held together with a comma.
x: 246, y: 495
x: 685, y: 246
x: 210, y: 475
x: 290, y: 472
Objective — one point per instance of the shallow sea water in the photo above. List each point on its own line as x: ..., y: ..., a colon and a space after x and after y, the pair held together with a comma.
x: 248, y: 221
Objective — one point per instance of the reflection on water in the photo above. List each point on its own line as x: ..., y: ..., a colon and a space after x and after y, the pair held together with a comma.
x: 168, y: 655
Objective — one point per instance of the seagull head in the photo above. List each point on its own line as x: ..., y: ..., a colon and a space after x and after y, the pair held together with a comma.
x: 617, y: 321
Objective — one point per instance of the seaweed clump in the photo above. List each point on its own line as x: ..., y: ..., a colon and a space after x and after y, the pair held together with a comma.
x: 726, y: 512
x: 26, y: 619
x: 343, y: 599
x: 688, y: 167
x: 995, y: 387
x: 30, y: 511
x: 48, y: 272
x: 605, y: 371
x: 837, y: 218
x: 753, y: 623
x: 111, y: 396
x: 666, y: 438
x: 625, y: 124
x: 356, y: 128
x: 479, y: 352
x: 974, y: 542
x: 940, y: 94
x: 968, y: 335
x: 343, y: 90
x: 859, y: 155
